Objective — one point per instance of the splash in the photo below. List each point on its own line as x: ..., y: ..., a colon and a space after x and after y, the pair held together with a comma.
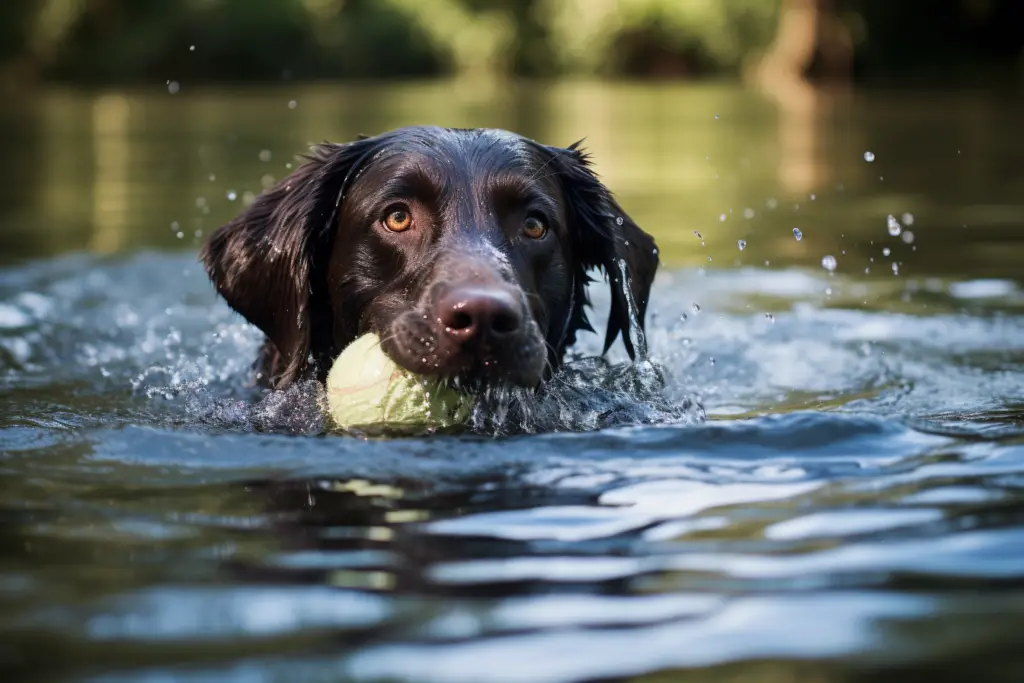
x: 150, y: 328
x: 589, y: 392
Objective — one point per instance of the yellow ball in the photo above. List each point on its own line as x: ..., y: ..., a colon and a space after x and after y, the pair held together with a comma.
x: 369, y: 392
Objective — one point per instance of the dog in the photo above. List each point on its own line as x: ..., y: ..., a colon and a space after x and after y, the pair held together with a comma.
x: 467, y: 251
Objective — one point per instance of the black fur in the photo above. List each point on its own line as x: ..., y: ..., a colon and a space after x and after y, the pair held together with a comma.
x: 309, y: 265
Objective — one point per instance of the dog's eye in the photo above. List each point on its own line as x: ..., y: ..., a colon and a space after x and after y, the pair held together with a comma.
x: 398, y: 219
x: 534, y: 228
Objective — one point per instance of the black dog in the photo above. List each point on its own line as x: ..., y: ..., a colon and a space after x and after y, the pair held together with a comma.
x: 466, y: 251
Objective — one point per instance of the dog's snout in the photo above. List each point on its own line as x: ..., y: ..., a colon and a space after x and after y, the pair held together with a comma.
x: 481, y: 314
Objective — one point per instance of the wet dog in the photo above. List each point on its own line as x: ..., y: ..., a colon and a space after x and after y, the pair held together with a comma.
x: 466, y: 250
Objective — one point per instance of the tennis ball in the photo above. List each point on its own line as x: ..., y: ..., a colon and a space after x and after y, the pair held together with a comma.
x: 369, y: 392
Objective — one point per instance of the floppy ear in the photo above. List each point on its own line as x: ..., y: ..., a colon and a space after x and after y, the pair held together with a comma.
x: 605, y: 237
x: 268, y: 263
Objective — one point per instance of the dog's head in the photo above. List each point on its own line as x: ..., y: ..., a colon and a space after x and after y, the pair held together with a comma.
x: 466, y: 251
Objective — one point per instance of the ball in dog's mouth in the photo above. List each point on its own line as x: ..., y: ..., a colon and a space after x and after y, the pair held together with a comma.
x: 368, y: 392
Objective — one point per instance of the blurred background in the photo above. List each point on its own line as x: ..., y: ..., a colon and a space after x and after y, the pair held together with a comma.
x: 837, y: 189
x: 132, y: 125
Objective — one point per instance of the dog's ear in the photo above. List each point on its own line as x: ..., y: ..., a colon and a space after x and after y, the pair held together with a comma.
x: 268, y: 263
x: 606, y: 238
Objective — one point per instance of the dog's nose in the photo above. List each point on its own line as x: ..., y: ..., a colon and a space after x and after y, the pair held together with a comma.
x: 480, y: 314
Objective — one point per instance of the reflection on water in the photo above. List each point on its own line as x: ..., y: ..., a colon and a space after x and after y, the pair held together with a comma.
x: 128, y: 170
x: 852, y: 508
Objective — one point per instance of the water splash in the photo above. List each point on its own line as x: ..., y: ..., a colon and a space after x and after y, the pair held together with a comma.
x: 636, y: 329
x: 893, y: 225
x: 154, y: 326
x: 589, y: 393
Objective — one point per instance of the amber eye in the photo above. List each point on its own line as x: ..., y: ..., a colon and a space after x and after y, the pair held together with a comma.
x: 398, y: 219
x: 534, y: 228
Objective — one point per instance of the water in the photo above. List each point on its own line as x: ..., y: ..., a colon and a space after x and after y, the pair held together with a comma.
x: 838, y: 495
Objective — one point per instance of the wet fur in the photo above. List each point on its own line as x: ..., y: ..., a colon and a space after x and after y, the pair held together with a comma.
x: 274, y: 262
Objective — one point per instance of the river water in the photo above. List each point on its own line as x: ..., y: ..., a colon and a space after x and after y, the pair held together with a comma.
x: 830, y: 487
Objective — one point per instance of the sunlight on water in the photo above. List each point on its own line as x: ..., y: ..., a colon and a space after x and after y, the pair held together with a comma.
x: 789, y: 501
x: 808, y: 470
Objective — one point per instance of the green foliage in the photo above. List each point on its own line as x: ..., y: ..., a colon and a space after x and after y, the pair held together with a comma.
x: 649, y: 36
x: 147, y: 41
x: 131, y: 41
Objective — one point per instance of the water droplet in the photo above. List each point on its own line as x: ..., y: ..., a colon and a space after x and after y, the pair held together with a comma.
x: 716, y: 117
x: 198, y: 234
x: 741, y: 244
x: 267, y: 181
x: 173, y: 87
x: 721, y: 217
x: 292, y: 104
x: 697, y: 235
x: 174, y: 226
x: 908, y: 236
x: 655, y: 251
x: 772, y: 202
x: 618, y: 220
x: 266, y: 155
x: 828, y: 291
x: 885, y: 251
x: 908, y: 219
x: 895, y: 268
x: 231, y: 195
x: 179, y: 234
x: 748, y: 213
x: 212, y: 177
x: 828, y: 263
x: 191, y: 48
x: 797, y: 234
x: 813, y: 196
x: 869, y: 156
x: 696, y: 308
x: 893, y: 225
x: 200, y: 202
x: 769, y: 317
x: 712, y: 360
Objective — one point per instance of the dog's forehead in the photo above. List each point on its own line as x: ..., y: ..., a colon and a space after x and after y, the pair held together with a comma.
x: 476, y: 149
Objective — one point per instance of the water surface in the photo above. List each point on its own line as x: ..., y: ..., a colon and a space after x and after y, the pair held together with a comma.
x: 830, y: 488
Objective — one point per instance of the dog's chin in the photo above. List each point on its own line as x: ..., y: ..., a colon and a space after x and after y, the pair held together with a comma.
x: 416, y: 347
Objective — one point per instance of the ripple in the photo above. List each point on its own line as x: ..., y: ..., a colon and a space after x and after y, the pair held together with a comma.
x: 859, y: 480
